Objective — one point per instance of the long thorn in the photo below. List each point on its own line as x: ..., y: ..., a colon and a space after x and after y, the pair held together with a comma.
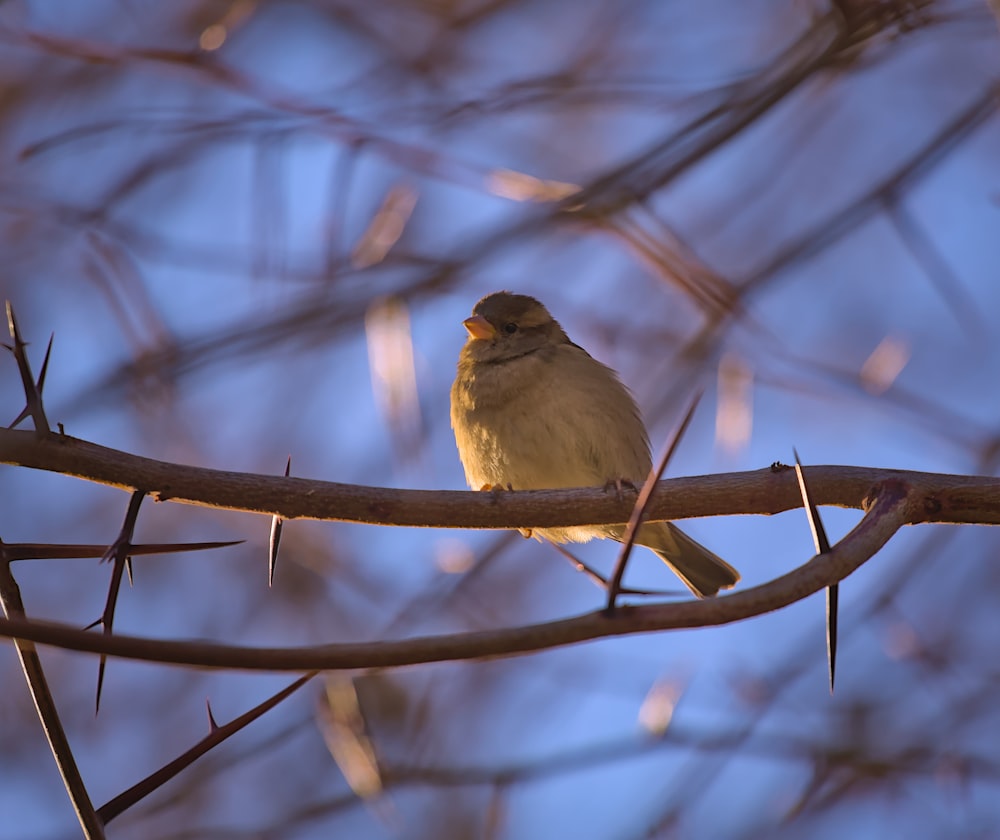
x: 32, y: 395
x: 275, y: 540
x: 119, y: 552
x: 642, y: 503
x: 822, y: 547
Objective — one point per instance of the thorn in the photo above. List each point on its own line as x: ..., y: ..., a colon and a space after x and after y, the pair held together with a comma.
x: 822, y: 547
x: 272, y: 548
x: 275, y: 540
x: 212, y: 725
x: 100, y: 684
x: 33, y: 396
x: 45, y: 365
x: 832, y: 607
x: 120, y: 552
x: 815, y: 524
x: 641, y: 503
x: 64, y: 551
x: 24, y: 413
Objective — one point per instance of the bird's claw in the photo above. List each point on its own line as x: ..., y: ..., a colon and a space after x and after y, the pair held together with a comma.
x: 496, y: 490
x: 618, y: 485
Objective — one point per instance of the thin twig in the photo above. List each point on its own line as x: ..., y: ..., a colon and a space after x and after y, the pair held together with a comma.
x: 217, y: 734
x: 600, y: 581
x: 45, y: 706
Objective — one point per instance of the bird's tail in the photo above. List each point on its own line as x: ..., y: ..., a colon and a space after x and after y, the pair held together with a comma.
x: 703, y: 572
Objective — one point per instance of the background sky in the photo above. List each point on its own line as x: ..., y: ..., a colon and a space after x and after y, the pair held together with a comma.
x: 255, y: 229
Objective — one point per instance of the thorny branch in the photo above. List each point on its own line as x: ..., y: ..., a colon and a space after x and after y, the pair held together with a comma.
x: 217, y: 734
x: 45, y: 706
x: 943, y: 498
x: 835, y: 39
x: 895, y: 505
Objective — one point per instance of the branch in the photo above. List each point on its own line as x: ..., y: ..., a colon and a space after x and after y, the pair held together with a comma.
x: 216, y: 736
x: 48, y: 715
x: 942, y: 498
x: 895, y: 505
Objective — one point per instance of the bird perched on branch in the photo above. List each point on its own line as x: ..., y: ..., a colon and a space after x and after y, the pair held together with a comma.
x: 532, y: 410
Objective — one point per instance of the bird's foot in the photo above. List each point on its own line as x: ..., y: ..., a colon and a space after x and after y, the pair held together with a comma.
x: 618, y: 485
x: 496, y: 490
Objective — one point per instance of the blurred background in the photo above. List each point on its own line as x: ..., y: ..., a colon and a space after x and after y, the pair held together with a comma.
x: 255, y: 229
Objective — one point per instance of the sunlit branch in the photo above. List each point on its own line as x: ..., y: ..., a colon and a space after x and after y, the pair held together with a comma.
x: 943, y: 498
x: 893, y: 507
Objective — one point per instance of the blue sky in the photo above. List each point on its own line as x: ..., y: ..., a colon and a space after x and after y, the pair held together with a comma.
x: 187, y: 234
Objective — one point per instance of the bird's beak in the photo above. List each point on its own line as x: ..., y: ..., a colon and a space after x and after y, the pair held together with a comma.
x: 479, y: 327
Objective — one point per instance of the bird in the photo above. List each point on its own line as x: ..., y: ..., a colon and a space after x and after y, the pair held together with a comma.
x: 532, y: 410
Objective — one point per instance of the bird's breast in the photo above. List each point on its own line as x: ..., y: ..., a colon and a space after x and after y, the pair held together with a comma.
x: 540, y: 422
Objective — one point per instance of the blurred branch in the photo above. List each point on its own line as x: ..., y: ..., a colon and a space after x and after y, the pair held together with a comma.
x: 888, y: 191
x: 895, y: 504
x: 833, y: 37
x: 944, y: 498
x: 212, y: 71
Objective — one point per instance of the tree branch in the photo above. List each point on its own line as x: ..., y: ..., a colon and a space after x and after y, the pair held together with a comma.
x: 48, y: 715
x: 895, y: 505
x: 943, y: 498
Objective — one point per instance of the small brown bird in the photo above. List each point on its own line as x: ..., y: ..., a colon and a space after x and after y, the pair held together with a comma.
x: 532, y: 410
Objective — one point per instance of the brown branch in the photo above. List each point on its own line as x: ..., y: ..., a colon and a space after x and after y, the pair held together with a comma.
x: 216, y: 736
x: 45, y: 706
x: 895, y: 505
x: 943, y: 498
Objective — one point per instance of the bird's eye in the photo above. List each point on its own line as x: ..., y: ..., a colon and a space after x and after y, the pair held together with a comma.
x: 510, y: 328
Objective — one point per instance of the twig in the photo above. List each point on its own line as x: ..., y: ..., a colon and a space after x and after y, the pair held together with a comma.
x: 216, y: 735
x: 45, y: 706
x: 599, y: 580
